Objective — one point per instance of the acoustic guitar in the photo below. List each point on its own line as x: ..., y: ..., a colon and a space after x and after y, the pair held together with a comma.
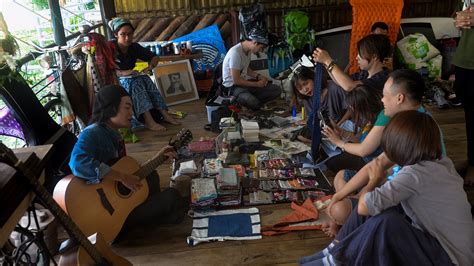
x: 89, y: 253
x: 104, y: 207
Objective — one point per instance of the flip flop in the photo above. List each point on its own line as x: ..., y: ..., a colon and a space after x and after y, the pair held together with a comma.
x: 207, y: 127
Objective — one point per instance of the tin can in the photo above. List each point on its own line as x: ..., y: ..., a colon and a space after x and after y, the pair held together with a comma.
x: 176, y: 48
x: 158, y: 49
x: 189, y: 45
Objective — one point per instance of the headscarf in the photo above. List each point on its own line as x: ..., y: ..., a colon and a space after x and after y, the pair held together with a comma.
x: 259, y: 35
x: 116, y: 23
x: 107, y: 102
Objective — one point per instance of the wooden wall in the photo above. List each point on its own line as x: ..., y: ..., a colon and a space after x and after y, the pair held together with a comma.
x: 325, y: 14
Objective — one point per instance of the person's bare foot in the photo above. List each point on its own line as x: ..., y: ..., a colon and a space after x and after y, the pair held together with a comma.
x: 156, y: 127
x: 172, y: 121
x: 469, y: 176
x: 330, y: 228
x: 167, y: 117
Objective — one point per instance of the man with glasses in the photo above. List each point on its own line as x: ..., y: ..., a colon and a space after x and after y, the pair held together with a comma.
x: 250, y: 88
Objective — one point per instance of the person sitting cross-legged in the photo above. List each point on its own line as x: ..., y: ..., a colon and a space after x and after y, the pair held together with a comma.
x: 420, y: 217
x: 402, y: 91
x: 250, y: 88
x: 100, y: 144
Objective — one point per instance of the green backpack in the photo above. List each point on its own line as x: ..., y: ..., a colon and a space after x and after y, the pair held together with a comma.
x: 297, y: 31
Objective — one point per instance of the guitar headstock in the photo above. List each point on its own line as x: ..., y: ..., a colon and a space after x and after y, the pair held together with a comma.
x: 6, y: 155
x: 183, y: 138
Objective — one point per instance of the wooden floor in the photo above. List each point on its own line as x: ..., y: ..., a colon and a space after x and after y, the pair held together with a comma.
x: 166, y: 245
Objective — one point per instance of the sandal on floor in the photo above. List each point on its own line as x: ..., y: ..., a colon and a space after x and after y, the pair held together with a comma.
x: 207, y: 127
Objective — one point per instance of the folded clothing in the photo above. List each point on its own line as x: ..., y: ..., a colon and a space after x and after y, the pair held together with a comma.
x: 242, y: 224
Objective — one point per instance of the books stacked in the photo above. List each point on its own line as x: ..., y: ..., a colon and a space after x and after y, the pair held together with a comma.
x: 228, y: 187
x: 250, y: 130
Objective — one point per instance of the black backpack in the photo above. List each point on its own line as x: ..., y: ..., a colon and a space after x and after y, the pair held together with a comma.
x: 252, y: 17
x: 216, y: 116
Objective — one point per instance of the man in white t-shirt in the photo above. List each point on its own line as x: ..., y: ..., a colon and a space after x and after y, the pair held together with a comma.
x: 250, y: 88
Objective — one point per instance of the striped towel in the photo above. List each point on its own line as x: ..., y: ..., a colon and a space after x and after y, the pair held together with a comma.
x: 242, y: 224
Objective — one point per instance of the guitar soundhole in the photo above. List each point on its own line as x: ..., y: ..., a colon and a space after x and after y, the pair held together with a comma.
x: 123, y: 190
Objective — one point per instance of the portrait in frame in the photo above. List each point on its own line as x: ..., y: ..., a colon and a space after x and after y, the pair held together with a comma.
x: 175, y: 81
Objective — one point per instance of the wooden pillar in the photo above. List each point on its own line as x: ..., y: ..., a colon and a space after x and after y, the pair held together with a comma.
x: 107, y: 12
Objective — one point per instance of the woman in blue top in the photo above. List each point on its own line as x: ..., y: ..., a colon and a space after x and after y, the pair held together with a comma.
x: 148, y: 104
x: 100, y: 145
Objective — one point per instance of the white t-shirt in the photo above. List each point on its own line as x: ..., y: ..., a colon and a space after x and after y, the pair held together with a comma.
x: 234, y: 59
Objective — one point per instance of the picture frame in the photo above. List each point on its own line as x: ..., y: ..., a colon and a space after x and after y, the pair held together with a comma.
x: 175, y: 80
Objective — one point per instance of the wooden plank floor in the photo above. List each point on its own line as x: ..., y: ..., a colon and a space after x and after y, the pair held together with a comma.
x: 166, y: 245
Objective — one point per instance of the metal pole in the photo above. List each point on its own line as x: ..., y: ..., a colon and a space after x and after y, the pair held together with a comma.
x: 57, y: 22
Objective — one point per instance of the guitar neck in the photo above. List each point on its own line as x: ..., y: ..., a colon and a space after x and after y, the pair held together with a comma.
x: 150, y: 166
x: 63, y: 218
x: 184, y: 137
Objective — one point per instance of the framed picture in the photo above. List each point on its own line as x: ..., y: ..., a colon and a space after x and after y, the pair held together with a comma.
x: 175, y: 81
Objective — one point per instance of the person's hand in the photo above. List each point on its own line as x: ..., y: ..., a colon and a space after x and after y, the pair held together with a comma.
x: 376, y: 171
x: 322, y: 56
x: 130, y: 72
x: 131, y: 181
x: 333, y: 136
x: 464, y: 19
x: 168, y: 152
x: 260, y: 77
x: 262, y: 82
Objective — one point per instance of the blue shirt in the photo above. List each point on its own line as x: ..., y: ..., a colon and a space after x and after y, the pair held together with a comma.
x: 97, y: 145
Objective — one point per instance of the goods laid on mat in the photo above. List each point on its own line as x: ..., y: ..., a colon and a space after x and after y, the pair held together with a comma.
x: 233, y: 172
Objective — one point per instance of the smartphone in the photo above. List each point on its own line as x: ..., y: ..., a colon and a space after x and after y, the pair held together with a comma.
x: 323, y: 116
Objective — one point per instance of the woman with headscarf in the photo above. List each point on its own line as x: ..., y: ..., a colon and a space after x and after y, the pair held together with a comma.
x: 148, y: 104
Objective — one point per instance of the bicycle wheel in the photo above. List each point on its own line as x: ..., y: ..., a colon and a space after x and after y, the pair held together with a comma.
x: 53, y: 108
x: 26, y: 248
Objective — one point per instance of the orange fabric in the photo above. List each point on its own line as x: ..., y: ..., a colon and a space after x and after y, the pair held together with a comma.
x: 367, y: 12
x: 305, y: 212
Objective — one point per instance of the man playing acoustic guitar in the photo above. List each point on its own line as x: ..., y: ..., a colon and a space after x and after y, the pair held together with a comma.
x: 100, y: 145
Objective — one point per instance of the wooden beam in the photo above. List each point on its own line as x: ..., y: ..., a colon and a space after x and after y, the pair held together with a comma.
x: 107, y: 12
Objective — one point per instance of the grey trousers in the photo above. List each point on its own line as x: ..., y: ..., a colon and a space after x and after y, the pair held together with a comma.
x: 254, y: 98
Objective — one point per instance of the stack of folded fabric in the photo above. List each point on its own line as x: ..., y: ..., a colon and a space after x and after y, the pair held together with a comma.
x: 250, y: 130
x: 211, y: 166
x: 203, y: 194
x: 228, y: 187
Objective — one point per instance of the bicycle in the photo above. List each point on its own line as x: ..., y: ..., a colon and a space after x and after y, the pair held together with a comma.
x: 56, y: 101
x: 26, y: 245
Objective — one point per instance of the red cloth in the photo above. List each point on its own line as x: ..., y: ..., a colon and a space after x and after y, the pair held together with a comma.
x: 305, y: 212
